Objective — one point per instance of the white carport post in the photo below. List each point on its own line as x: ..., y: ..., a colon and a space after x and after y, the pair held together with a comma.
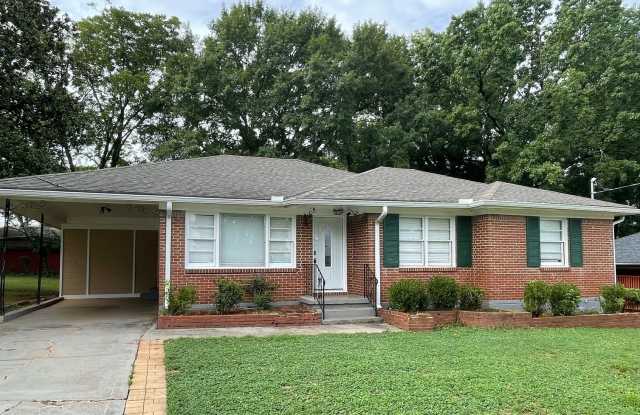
x: 376, y: 248
x: 167, y: 252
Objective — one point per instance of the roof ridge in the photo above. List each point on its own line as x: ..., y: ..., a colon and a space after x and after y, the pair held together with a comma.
x: 352, y: 176
x: 491, y: 190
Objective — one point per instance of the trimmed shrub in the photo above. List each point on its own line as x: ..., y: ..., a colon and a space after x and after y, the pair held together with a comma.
x: 536, y: 297
x: 612, y: 298
x: 564, y: 299
x: 442, y: 293
x: 262, y: 292
x: 632, y: 295
x: 181, y: 300
x: 229, y: 295
x: 470, y: 297
x: 408, y: 295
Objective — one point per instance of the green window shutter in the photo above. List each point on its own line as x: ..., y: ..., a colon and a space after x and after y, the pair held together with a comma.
x: 464, y: 237
x: 533, y: 241
x: 575, y: 242
x: 391, y: 241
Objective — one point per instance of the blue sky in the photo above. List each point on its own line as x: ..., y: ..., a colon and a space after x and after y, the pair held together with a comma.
x: 401, y: 16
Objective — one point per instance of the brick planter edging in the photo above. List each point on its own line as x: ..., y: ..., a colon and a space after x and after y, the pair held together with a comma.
x: 239, y: 320
x: 418, y: 321
x: 490, y: 319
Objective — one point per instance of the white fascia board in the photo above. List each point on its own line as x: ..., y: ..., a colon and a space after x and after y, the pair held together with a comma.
x: 127, y: 198
x: 527, y: 205
x: 488, y: 204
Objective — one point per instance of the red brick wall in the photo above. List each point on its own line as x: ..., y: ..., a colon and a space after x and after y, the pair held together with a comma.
x: 500, y: 260
x: 360, y: 250
x: 291, y: 282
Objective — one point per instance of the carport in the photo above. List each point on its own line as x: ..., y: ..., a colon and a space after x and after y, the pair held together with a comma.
x: 107, y: 250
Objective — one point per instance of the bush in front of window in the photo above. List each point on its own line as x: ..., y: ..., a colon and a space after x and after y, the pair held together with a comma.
x: 228, y: 297
x: 442, y: 292
x: 564, y: 299
x: 632, y: 295
x: 470, y: 297
x: 612, y: 298
x: 181, y: 300
x: 536, y: 297
x: 408, y: 295
x: 262, y: 292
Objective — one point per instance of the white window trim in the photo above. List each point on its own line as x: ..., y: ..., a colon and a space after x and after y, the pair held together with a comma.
x: 425, y: 243
x: 216, y: 258
x: 565, y: 245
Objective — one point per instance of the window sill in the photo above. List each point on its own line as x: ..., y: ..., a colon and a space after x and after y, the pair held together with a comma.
x: 555, y: 269
x: 425, y: 269
x: 284, y: 270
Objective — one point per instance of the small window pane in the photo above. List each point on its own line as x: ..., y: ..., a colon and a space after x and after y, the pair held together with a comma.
x: 439, y: 230
x: 327, y: 247
x: 200, y: 233
x: 202, y: 220
x: 242, y: 240
x: 201, y: 257
x: 411, y: 253
x: 551, y: 252
x: 410, y: 229
x: 439, y: 253
x: 201, y: 242
x: 280, y: 234
x: 280, y: 241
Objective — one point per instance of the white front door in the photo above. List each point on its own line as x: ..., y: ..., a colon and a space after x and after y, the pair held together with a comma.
x: 328, y: 250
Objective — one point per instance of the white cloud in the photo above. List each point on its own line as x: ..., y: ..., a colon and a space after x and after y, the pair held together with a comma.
x: 401, y: 16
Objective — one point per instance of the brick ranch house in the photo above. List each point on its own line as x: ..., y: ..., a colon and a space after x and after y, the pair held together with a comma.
x: 131, y: 230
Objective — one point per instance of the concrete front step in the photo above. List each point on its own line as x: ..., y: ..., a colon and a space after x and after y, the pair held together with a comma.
x: 361, y: 320
x: 348, y: 311
x: 335, y: 299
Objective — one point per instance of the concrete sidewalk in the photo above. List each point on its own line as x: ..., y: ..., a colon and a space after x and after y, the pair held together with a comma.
x: 165, y: 334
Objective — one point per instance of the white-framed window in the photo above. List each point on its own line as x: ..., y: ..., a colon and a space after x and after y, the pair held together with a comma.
x: 554, y: 246
x: 239, y: 240
x: 426, y: 241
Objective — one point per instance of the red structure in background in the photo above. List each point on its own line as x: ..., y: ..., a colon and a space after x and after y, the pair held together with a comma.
x: 25, y: 261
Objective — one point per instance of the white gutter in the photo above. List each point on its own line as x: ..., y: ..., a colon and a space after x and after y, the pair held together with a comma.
x: 376, y: 249
x: 613, y: 242
x: 167, y: 252
x: 463, y: 204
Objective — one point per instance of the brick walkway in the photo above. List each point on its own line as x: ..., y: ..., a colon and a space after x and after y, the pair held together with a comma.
x: 148, y: 389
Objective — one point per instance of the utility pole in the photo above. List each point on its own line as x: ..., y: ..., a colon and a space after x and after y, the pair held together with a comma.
x: 593, y: 187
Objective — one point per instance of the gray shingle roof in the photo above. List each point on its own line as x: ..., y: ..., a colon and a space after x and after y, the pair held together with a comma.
x: 628, y: 250
x: 391, y: 184
x: 238, y: 177
x: 225, y: 176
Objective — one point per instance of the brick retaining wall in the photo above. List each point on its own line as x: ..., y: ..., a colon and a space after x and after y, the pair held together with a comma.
x: 488, y: 319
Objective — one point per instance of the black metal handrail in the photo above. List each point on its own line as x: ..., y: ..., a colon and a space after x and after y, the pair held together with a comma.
x: 369, y: 286
x: 318, y: 288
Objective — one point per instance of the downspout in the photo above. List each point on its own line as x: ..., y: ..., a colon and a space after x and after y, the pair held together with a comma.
x: 613, y: 242
x: 167, y: 252
x: 379, y: 219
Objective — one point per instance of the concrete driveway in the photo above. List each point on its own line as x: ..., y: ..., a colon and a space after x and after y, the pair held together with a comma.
x: 74, y: 357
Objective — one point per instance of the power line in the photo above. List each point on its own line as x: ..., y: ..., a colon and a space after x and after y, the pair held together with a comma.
x: 595, y: 192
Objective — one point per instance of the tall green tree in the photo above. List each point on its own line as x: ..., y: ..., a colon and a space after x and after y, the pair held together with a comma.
x: 120, y: 61
x: 469, y: 78
x: 39, y: 130
x: 246, y: 91
x: 588, y: 121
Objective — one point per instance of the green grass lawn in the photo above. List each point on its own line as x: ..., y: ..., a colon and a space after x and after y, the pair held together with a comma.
x: 450, y: 371
x: 21, y: 289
